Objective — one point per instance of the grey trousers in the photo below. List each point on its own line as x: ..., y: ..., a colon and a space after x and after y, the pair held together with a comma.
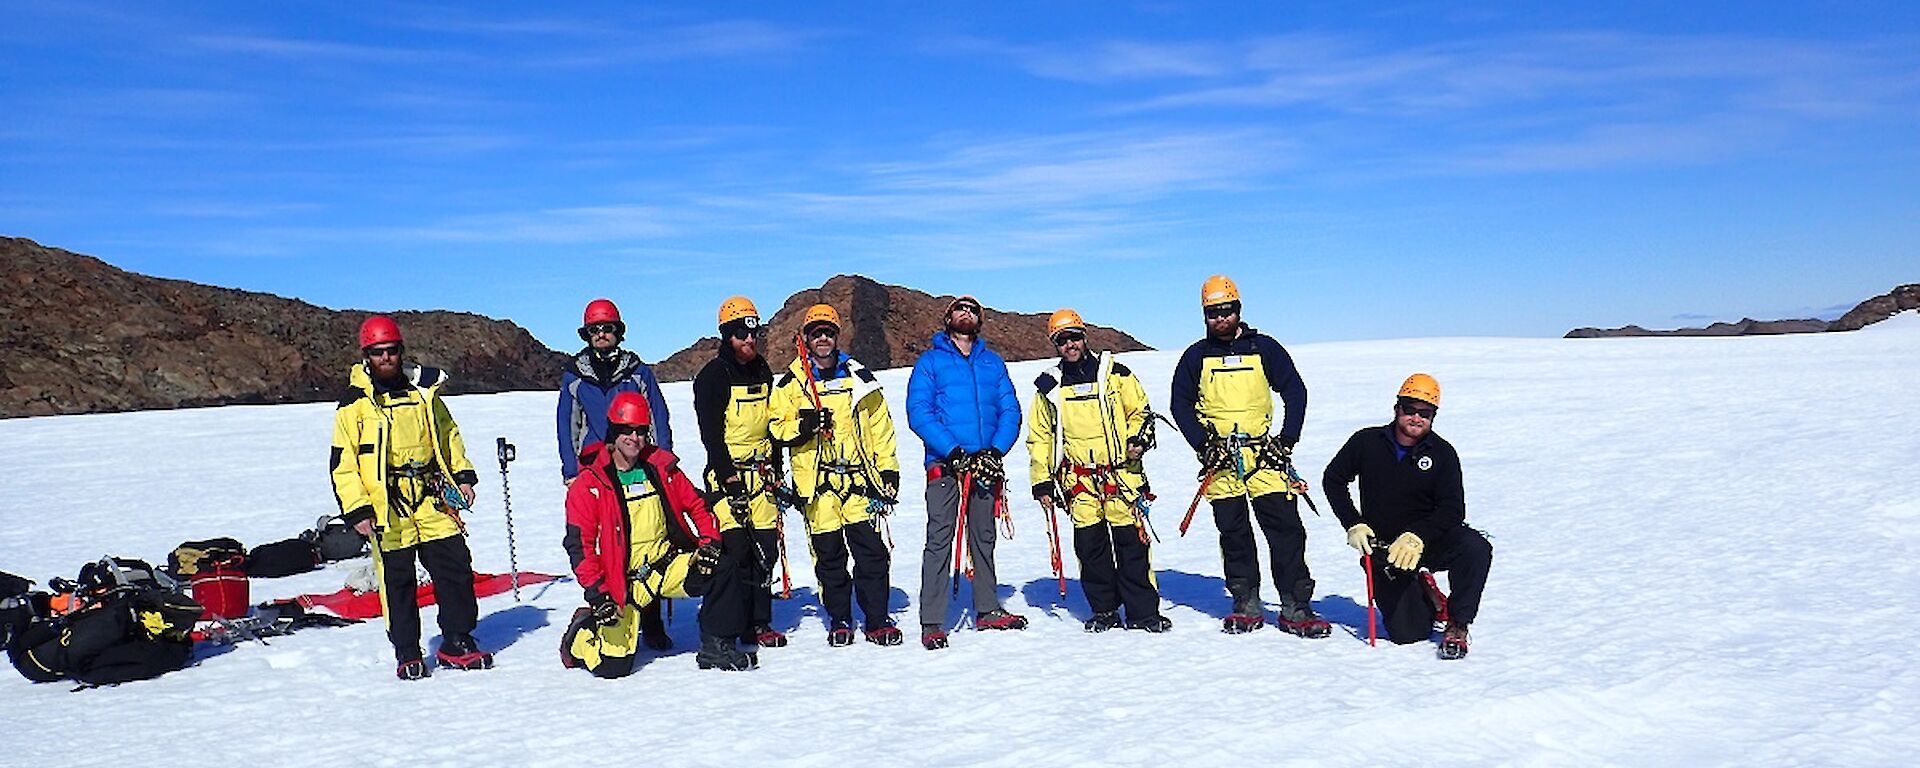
x: 936, y: 563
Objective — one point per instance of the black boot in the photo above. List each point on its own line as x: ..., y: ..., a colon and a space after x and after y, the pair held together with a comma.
x: 1155, y: 624
x: 1249, y: 613
x: 718, y: 652
x: 1102, y: 622
x: 461, y: 652
x: 1297, y: 617
x: 653, y: 631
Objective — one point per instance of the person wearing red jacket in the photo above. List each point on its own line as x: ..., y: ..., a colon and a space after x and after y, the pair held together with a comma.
x: 638, y: 531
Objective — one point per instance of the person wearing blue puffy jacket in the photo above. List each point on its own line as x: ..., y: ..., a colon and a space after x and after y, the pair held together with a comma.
x: 960, y: 401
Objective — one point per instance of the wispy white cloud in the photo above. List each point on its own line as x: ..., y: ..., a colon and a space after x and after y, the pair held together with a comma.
x: 227, y: 209
x: 1051, y: 172
x: 710, y: 40
x: 322, y: 50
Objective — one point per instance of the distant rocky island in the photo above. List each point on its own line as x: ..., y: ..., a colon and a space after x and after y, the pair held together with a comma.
x: 888, y: 326
x: 1876, y: 309
x: 78, y: 335
x: 82, y: 336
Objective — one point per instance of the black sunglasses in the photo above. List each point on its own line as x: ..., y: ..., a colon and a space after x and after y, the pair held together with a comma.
x: 742, y: 333
x: 971, y: 309
x: 1063, y: 338
x: 373, y: 352
x: 614, y: 431
x: 1218, y: 311
x: 599, y: 328
x: 823, y: 332
x: 1425, y: 412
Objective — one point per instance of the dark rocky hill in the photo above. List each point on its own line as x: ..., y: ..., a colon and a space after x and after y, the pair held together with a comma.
x: 1876, y: 309
x: 78, y: 335
x: 888, y: 326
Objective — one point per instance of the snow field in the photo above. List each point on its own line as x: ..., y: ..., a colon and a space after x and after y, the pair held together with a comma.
x: 1701, y: 549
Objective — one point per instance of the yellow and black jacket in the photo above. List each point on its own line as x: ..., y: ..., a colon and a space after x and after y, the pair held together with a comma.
x: 1225, y: 388
x: 733, y: 403
x: 1078, y: 427
x: 863, y: 438
x: 390, y: 446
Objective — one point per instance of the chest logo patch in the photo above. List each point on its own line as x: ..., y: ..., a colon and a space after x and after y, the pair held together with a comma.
x: 1425, y: 463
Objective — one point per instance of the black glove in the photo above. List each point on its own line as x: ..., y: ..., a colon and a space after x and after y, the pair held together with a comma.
x: 1287, y: 442
x: 809, y: 423
x: 1044, y: 490
x: 986, y: 465
x: 706, y: 559
x: 826, y: 421
x: 605, y: 612
x: 736, y: 489
x: 889, y: 486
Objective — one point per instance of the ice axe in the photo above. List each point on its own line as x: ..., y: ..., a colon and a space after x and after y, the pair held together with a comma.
x: 504, y: 451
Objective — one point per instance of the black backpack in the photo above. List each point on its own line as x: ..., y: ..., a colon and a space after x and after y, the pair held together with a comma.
x: 110, y: 573
x: 335, y: 540
x: 192, y: 556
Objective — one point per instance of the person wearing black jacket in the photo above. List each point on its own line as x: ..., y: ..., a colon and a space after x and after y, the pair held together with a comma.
x: 1223, y: 403
x: 1413, y: 511
x: 730, y: 401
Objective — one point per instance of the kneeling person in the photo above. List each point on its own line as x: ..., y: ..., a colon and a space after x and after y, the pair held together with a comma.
x: 638, y: 531
x: 1412, y: 506
x: 845, y: 467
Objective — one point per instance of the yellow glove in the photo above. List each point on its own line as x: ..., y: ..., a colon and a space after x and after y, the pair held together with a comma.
x: 1404, y: 554
x: 1360, y: 537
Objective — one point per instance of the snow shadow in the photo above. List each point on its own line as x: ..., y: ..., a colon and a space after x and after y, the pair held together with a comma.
x: 1206, y: 594
x: 959, y: 606
x: 500, y: 629
x: 1344, y: 611
x: 805, y: 606
x: 790, y: 613
x: 1044, y: 594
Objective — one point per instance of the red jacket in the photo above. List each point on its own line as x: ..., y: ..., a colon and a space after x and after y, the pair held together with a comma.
x: 597, y: 540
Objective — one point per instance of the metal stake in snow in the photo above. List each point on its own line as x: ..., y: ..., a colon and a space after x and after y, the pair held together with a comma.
x: 505, y: 453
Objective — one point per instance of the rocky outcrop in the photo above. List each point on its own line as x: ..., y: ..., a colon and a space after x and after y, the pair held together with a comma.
x: 888, y: 326
x: 1876, y: 309
x: 1746, y: 327
x: 82, y: 336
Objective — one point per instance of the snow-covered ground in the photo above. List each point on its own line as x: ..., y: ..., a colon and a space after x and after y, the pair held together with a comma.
x: 1705, y: 552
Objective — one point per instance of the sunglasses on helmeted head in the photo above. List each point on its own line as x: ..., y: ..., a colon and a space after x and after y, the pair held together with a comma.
x: 615, y: 431
x: 373, y: 352
x: 1417, y: 409
x: 742, y: 332
x: 1064, y: 338
x: 1218, y: 311
x: 611, y: 329
x: 823, y: 331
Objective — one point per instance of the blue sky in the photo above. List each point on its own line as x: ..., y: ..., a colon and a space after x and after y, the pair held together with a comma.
x: 1418, y: 169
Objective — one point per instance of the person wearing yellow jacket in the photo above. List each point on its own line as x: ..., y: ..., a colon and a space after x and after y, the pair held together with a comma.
x: 1222, y: 401
x: 732, y: 398
x: 1087, y: 428
x: 829, y: 412
x: 398, y: 463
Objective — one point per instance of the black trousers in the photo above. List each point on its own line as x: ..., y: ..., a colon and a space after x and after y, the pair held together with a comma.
x: 450, y: 564
x: 725, y: 602
x: 1464, y: 554
x: 1279, y: 518
x: 1114, y: 570
x: 753, y: 554
x: 870, y: 563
